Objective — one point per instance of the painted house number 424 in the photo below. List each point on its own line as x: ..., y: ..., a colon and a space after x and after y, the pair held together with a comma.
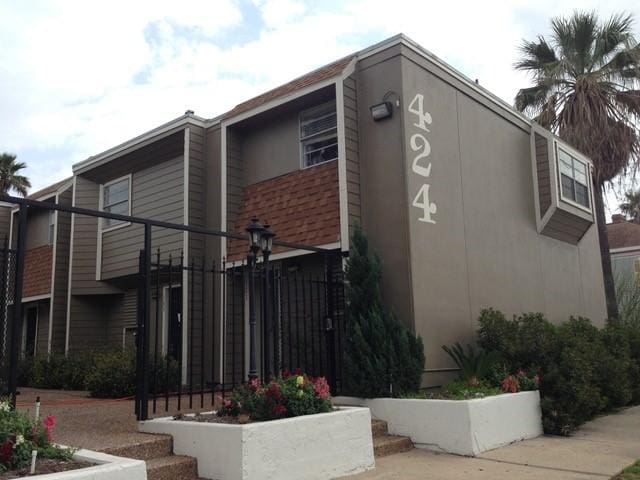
x: 420, y: 165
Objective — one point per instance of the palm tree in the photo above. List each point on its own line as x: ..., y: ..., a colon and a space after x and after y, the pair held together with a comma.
x: 631, y: 206
x: 586, y: 79
x: 9, y: 177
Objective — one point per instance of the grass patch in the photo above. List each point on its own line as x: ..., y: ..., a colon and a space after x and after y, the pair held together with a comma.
x: 632, y: 472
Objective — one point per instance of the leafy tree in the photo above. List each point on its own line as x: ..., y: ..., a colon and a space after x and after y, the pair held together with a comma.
x: 382, y: 357
x: 631, y: 206
x: 586, y: 90
x: 10, y: 179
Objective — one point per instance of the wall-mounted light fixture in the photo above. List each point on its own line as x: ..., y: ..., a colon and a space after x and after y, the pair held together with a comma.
x: 381, y: 111
x: 384, y: 109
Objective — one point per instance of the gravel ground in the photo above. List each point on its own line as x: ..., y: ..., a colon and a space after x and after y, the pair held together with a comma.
x: 98, y: 424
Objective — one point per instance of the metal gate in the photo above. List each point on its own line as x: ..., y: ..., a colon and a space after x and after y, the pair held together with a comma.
x: 194, y: 363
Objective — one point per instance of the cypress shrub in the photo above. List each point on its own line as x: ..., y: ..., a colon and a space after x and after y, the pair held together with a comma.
x: 381, y: 356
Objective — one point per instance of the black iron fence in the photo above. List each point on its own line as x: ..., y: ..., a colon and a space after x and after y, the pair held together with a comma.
x: 197, y: 339
x: 7, y: 278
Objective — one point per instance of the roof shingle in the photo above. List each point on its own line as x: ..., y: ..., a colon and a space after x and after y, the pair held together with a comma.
x: 623, y: 234
x: 310, y: 78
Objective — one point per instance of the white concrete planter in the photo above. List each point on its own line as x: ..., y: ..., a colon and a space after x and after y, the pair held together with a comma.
x: 464, y: 427
x: 107, y: 467
x: 323, y: 446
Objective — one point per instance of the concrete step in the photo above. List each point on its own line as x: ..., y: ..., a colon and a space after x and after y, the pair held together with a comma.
x: 155, y: 446
x: 379, y: 428
x: 384, y: 445
x: 172, y: 467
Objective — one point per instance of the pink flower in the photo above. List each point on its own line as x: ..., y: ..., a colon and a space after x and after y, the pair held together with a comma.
x: 254, y: 383
x: 49, y: 424
x: 321, y: 388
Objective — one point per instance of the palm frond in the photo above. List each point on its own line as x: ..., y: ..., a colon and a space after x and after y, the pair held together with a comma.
x: 615, y: 32
x: 473, y: 365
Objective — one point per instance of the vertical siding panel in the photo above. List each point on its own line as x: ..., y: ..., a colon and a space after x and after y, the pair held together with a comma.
x: 61, y: 273
x: 352, y: 151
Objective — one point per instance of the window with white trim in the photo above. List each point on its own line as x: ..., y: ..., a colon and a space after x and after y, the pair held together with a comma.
x: 319, y: 134
x: 574, y: 179
x: 115, y: 199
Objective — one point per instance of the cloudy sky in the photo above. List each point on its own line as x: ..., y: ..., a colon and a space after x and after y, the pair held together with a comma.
x: 77, y: 76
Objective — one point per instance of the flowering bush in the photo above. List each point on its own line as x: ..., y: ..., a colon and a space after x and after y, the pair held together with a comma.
x: 20, y: 434
x: 290, y: 395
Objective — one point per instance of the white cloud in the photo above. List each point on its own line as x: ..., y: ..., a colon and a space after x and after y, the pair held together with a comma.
x: 77, y: 77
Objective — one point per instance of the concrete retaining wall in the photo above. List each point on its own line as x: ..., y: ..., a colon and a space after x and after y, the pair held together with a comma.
x: 327, y: 445
x: 464, y: 427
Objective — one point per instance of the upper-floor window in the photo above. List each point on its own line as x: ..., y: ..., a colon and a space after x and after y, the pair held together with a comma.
x: 574, y: 179
x: 319, y: 134
x: 52, y: 226
x: 116, y: 198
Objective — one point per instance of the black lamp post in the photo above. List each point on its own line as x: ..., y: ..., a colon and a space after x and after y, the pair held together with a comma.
x: 255, y: 230
x: 267, y: 245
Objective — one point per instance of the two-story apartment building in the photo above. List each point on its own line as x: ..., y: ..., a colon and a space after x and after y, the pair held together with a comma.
x: 468, y: 203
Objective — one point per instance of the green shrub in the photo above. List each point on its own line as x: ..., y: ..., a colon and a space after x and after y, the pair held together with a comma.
x: 381, y: 356
x: 113, y: 375
x: 583, y: 370
x: 62, y: 372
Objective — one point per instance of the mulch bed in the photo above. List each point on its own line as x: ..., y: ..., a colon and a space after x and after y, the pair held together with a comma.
x: 43, y: 466
x: 209, y: 418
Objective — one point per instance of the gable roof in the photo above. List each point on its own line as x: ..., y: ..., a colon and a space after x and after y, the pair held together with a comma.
x: 623, y: 234
x: 49, y: 190
x: 316, y: 76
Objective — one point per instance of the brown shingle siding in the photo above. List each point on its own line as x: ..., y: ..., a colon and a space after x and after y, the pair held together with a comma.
x: 37, y: 271
x: 301, y: 207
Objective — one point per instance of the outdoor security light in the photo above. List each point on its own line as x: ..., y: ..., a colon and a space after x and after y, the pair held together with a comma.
x: 267, y: 239
x: 255, y: 230
x: 381, y: 111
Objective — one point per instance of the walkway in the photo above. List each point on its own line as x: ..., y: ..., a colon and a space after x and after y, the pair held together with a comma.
x: 599, y: 450
x: 96, y: 424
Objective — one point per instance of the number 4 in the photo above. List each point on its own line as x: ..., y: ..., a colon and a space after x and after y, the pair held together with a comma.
x: 417, y: 106
x: 422, y: 201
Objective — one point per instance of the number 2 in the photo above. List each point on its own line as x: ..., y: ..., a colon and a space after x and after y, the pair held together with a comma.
x: 426, y: 151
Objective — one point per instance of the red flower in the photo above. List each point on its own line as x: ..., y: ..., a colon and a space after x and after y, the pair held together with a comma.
x: 510, y: 384
x: 6, y: 451
x: 297, y: 371
x: 286, y: 374
x: 278, y: 410
x: 273, y: 391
